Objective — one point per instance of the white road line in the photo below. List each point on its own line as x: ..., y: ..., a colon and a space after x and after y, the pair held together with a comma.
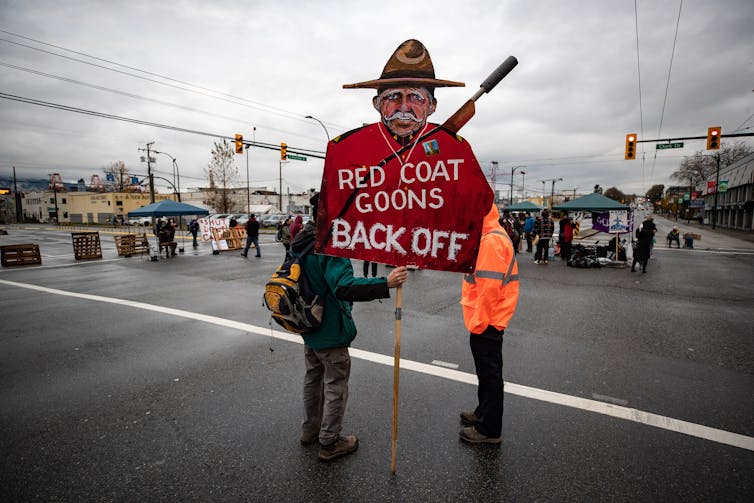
x: 441, y: 363
x: 608, y: 409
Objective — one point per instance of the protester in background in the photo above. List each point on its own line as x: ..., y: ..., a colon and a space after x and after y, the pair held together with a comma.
x: 328, y: 363
x: 528, y: 230
x: 193, y: 228
x: 489, y: 296
x: 167, y: 235
x: 233, y: 222
x: 252, y: 236
x: 649, y: 224
x: 644, y: 236
x: 297, y: 225
x: 507, y: 223
x: 544, y: 231
x: 674, y: 235
x: 158, y: 226
x: 285, y: 235
x: 566, y: 237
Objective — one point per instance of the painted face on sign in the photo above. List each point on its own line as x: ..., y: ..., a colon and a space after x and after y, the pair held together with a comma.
x: 404, y: 110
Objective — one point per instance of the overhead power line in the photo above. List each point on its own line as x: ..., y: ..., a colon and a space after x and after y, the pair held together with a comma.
x: 215, y: 93
x: 32, y: 101
x: 139, y: 97
x: 667, y: 86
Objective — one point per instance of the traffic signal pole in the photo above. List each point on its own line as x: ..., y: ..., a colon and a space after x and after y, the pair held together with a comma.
x: 717, y: 185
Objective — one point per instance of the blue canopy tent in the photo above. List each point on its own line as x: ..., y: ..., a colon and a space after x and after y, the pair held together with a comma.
x: 523, y: 206
x: 168, y: 208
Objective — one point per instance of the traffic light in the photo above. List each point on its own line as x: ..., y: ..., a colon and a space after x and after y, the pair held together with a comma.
x: 713, y: 137
x: 4, y: 191
x: 283, y: 151
x: 630, y: 146
x: 239, y: 144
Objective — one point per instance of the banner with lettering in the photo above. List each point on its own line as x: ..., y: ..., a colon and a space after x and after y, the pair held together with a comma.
x: 419, y: 204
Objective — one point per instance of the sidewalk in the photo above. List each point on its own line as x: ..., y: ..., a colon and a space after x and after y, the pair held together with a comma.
x: 711, y: 239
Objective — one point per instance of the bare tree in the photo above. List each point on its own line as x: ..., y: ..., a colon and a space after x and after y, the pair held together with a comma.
x: 120, y: 175
x: 223, y: 175
x: 698, y: 167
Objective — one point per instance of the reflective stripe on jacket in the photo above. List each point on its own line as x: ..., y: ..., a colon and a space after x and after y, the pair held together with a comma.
x: 489, y: 295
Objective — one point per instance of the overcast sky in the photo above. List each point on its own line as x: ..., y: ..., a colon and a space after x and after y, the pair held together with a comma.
x: 562, y: 113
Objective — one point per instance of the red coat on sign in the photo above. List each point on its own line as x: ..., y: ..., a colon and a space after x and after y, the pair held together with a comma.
x: 423, y: 207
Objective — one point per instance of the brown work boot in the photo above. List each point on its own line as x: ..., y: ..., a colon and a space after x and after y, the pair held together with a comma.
x: 344, y: 445
x: 468, y: 418
x: 472, y: 436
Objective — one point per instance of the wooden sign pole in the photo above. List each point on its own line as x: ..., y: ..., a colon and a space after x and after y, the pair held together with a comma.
x: 396, y: 373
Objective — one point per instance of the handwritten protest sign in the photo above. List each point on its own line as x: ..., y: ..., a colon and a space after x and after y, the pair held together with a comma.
x: 423, y: 207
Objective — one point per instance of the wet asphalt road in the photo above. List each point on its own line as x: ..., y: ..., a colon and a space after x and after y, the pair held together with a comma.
x: 107, y: 401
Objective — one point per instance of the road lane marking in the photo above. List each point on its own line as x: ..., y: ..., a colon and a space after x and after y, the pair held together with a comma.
x: 608, y: 409
x: 441, y: 363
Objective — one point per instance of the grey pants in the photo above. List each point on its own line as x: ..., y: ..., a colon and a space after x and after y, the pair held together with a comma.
x: 325, y: 391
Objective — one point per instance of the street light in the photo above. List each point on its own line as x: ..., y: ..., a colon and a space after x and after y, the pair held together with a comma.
x: 523, y: 185
x: 321, y: 124
x: 513, y: 170
x: 552, y: 194
x: 175, y: 172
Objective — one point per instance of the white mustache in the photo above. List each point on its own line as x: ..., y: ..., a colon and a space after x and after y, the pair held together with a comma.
x: 402, y: 116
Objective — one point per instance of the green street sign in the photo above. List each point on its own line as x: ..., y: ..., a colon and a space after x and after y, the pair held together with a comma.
x: 663, y: 146
x: 722, y: 186
x: 296, y: 157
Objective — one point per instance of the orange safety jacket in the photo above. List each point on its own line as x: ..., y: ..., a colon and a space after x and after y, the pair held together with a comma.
x: 489, y: 295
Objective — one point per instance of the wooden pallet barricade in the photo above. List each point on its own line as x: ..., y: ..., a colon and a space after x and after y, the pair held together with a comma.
x: 229, y: 239
x: 86, y: 245
x: 131, y: 244
x: 20, y: 254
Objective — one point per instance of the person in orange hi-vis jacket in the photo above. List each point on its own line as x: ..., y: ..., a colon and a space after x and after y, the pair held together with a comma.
x: 489, y: 297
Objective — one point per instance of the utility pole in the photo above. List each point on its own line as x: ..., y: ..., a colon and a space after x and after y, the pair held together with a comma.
x: 149, y: 170
x: 17, y: 196
x: 280, y: 185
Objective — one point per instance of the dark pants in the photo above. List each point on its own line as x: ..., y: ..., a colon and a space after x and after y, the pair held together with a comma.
x: 543, y: 249
x: 366, y: 269
x: 487, y: 350
x: 565, y: 250
x: 249, y: 241
x: 642, y: 262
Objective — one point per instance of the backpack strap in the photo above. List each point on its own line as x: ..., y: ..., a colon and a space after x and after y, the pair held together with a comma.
x: 309, y: 247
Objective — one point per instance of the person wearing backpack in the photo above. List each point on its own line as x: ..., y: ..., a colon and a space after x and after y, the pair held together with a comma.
x: 328, y: 363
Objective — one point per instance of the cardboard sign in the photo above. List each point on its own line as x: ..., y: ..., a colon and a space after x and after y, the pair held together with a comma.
x: 422, y: 207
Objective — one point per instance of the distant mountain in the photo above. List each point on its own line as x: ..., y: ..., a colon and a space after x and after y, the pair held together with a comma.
x: 31, y: 184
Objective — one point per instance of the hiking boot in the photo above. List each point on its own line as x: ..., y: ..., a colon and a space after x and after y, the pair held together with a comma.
x: 344, y: 445
x: 309, y: 438
x: 468, y: 418
x: 472, y: 436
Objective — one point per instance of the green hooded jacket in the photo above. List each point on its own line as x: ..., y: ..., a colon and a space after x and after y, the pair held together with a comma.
x: 333, y: 277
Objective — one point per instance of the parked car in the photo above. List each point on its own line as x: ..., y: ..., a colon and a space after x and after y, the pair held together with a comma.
x: 272, y: 219
x: 241, y: 218
x: 139, y: 221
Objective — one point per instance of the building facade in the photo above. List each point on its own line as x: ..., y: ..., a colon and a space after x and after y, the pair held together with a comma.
x: 735, y: 196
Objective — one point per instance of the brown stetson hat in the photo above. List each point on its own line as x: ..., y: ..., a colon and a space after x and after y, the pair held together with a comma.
x: 410, y: 65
